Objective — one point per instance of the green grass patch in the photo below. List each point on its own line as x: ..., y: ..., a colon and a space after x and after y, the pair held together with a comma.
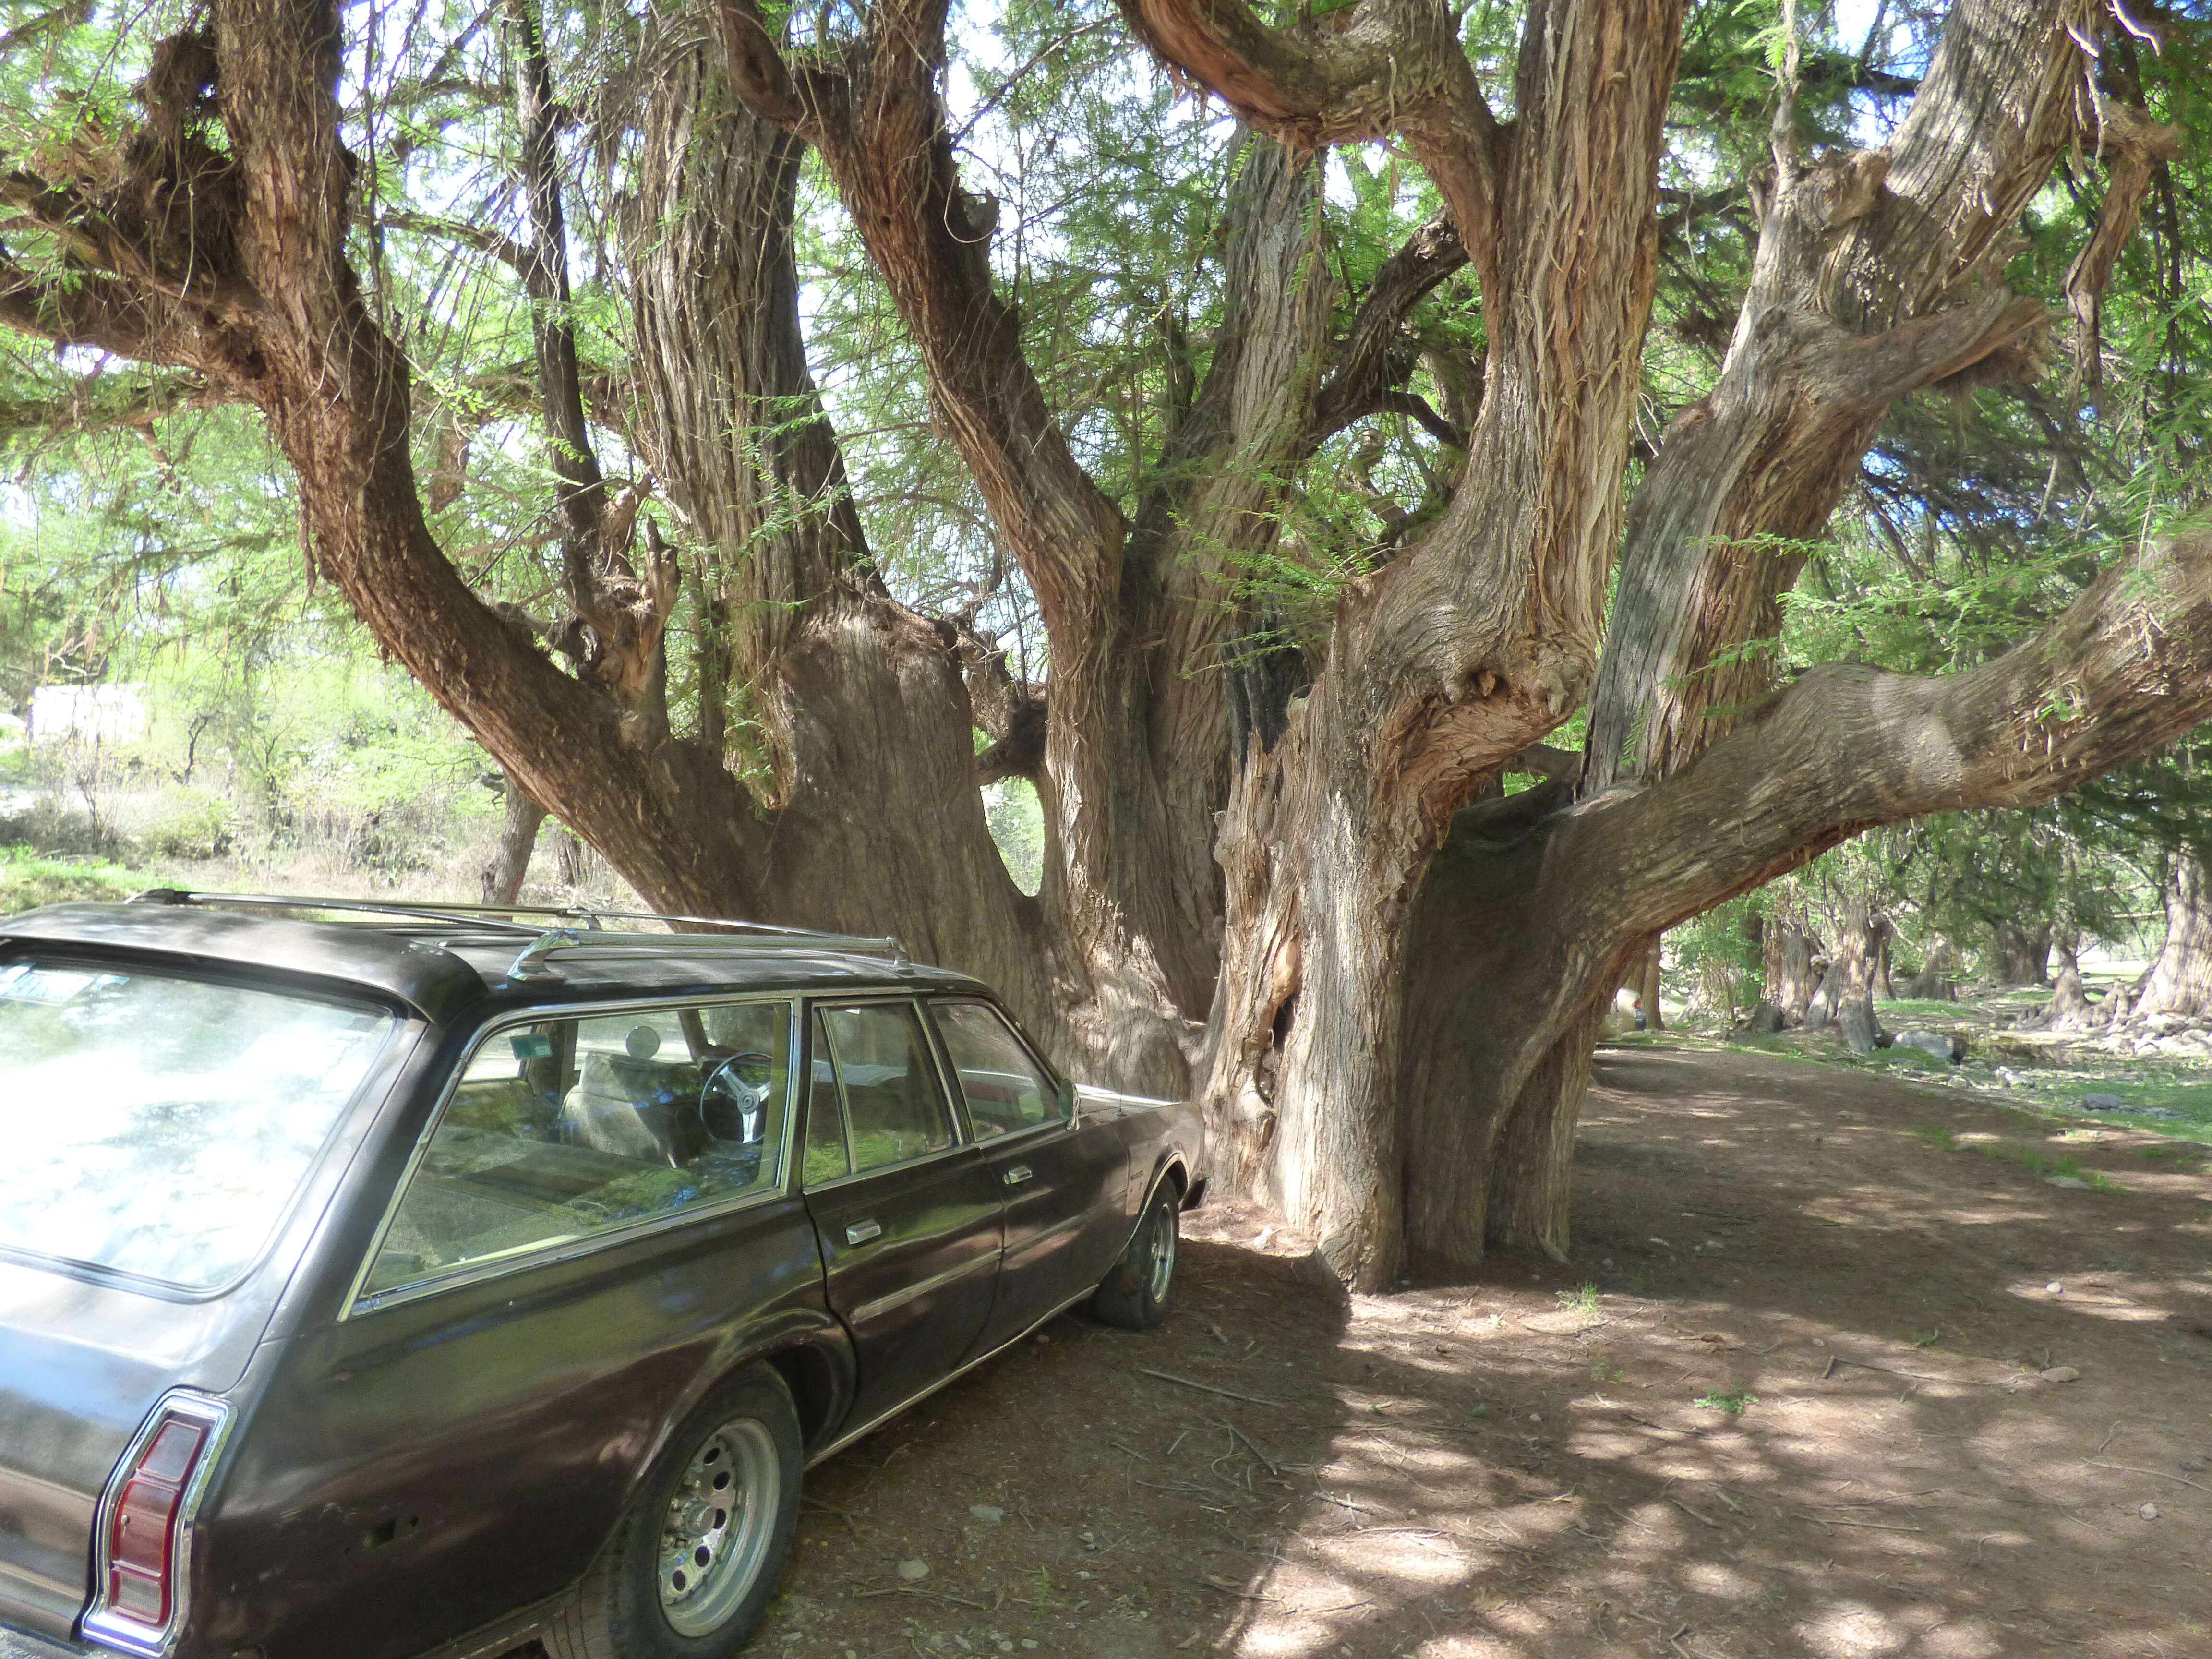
x: 1925, y: 1007
x: 1732, y: 1403
x: 27, y: 880
x: 1583, y: 1301
x: 1936, y: 1135
x: 2037, y: 1162
x: 2169, y: 1105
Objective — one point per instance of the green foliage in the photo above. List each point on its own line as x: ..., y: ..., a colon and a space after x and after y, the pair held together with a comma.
x: 1733, y: 1402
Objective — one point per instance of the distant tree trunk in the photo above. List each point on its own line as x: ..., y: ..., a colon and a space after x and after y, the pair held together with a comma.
x: 2180, y: 977
x: 2022, y: 955
x: 1933, y: 983
x: 569, y: 852
x: 1858, y: 946
x: 1791, y: 981
x: 518, y: 839
x: 1885, y: 937
x: 1649, y: 988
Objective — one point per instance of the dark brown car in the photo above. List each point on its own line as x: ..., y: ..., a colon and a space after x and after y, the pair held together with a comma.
x: 425, y: 1281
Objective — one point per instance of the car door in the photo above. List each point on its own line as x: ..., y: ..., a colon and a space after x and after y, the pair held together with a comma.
x: 908, y: 1213
x: 1064, y: 1182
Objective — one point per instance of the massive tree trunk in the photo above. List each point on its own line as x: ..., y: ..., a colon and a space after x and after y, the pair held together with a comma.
x: 2180, y: 977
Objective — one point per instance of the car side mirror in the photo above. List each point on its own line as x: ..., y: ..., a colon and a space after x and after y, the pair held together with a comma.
x: 1066, y: 1098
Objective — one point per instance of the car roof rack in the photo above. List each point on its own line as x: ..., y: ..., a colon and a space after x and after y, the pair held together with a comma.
x: 587, y: 931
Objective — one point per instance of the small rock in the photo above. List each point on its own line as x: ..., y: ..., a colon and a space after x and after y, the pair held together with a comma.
x: 1029, y: 1642
x: 1933, y: 1042
x: 913, y: 1570
x: 2148, y: 1511
x: 2066, y: 1181
x: 2054, y: 1288
x: 2059, y: 1374
x: 989, y: 1513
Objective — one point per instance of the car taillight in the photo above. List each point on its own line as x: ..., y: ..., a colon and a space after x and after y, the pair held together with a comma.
x: 145, y: 1526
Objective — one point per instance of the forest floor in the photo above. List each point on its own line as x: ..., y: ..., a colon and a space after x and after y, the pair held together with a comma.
x: 1791, y: 1400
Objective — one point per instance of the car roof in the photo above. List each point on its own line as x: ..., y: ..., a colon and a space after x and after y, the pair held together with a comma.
x: 441, y: 961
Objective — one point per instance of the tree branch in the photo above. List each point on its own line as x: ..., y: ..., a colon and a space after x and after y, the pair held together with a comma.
x: 2125, y: 670
x: 1378, y: 67
x: 1375, y: 356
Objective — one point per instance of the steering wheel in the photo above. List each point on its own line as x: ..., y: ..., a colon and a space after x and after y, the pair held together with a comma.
x: 727, y: 1090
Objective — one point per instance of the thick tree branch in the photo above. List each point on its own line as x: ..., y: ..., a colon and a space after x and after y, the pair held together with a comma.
x: 2124, y: 670
x: 1870, y: 280
x: 1370, y: 71
x: 1376, y: 356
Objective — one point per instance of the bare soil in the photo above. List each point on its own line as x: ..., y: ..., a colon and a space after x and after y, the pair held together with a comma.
x: 1801, y: 1414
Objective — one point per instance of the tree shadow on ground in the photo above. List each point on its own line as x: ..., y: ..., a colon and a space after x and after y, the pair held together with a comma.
x: 1504, y: 1465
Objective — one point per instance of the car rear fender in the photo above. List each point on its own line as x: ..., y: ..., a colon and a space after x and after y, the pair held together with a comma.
x: 805, y: 1346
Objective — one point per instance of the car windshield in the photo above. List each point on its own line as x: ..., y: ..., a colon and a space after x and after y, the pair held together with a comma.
x: 160, y: 1125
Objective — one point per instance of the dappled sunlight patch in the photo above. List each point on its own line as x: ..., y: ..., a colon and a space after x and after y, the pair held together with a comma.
x: 1852, y: 1630
x: 1724, y: 1583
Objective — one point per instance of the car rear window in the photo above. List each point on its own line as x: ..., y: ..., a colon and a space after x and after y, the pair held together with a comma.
x: 160, y: 1125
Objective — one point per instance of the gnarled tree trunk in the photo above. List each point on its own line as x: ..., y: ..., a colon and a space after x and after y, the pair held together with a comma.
x: 2180, y: 977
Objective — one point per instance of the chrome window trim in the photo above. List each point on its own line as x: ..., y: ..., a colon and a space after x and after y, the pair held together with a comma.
x: 1021, y: 1040
x: 955, y: 1115
x: 117, y: 1630
x: 359, y: 1300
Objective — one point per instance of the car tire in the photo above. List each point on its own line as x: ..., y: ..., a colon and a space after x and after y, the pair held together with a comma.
x: 697, y: 1554
x: 1135, y: 1296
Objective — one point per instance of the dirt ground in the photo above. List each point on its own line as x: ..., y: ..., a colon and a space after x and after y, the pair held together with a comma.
x: 1505, y: 1465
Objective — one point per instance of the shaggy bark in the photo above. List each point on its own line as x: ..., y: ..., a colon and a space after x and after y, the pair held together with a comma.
x: 1488, y: 1116
x: 2180, y: 977
x: 1791, y: 982
x: 1481, y: 634
x: 1933, y: 982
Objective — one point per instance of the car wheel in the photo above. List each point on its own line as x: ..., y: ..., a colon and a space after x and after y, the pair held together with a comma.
x: 696, y: 1556
x: 1135, y: 1296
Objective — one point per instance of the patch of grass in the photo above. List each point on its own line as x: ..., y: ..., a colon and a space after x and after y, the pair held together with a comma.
x: 2037, y: 1162
x: 1602, y: 1370
x: 2185, y: 1160
x: 1639, y: 1281
x: 1937, y: 1135
x: 1583, y: 1301
x: 2177, y: 1104
x: 1925, y: 1007
x: 29, y: 880
x: 1732, y: 1403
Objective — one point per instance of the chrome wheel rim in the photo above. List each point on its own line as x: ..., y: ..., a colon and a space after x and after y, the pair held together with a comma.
x: 1160, y: 1257
x: 715, y: 1537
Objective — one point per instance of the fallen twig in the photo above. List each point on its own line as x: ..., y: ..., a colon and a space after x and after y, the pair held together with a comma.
x: 2155, y: 1474
x: 1207, y: 1387
x: 1266, y: 1461
x: 927, y: 1596
x: 1871, y: 1526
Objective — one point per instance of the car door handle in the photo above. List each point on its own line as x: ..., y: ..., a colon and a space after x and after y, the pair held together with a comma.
x: 1015, y: 1176
x: 861, y: 1232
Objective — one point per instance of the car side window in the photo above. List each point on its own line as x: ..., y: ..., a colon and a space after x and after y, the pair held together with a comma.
x: 828, y: 1157
x: 896, y: 1109
x: 567, y: 1127
x: 1005, y: 1091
